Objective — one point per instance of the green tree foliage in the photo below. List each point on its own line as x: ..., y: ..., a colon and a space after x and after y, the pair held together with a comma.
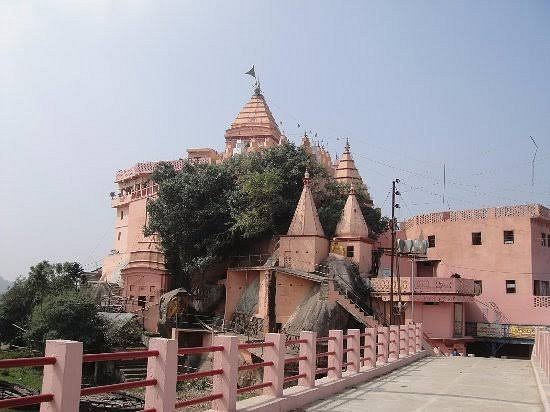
x: 17, y: 303
x: 205, y: 212
x: 48, y: 304
x: 67, y: 315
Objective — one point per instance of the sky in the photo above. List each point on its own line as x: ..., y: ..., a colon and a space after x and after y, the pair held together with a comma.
x: 91, y: 87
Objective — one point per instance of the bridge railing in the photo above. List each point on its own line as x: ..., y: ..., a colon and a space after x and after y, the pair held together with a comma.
x: 541, y: 351
x: 347, y: 357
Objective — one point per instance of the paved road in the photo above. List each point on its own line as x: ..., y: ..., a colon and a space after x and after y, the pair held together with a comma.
x: 444, y: 384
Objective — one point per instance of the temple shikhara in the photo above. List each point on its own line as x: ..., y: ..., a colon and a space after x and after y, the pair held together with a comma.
x: 471, y: 277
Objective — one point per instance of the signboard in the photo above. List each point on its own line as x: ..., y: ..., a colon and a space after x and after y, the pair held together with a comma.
x: 521, y: 332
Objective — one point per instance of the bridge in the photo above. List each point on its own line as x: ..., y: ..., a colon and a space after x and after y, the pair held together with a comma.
x: 385, y: 367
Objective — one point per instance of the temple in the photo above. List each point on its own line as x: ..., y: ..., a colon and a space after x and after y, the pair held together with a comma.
x: 479, y: 276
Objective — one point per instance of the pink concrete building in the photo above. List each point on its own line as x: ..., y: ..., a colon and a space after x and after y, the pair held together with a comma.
x: 505, y: 249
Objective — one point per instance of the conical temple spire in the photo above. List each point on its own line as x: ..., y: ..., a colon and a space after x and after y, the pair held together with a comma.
x: 306, y: 220
x: 346, y: 172
x: 352, y: 222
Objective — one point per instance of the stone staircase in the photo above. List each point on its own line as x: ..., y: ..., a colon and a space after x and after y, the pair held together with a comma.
x: 354, y: 309
x: 132, y: 370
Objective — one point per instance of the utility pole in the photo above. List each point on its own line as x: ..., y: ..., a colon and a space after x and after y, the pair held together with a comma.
x: 393, y: 207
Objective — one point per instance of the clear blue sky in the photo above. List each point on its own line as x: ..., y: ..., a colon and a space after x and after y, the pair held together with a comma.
x: 89, y: 87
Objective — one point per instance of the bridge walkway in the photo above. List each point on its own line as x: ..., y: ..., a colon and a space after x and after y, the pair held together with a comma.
x: 444, y: 384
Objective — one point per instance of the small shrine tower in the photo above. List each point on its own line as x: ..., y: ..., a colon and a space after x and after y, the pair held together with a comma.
x: 346, y: 172
x: 352, y: 234
x: 305, y: 244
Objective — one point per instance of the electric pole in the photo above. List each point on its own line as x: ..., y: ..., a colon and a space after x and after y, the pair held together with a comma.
x: 393, y: 207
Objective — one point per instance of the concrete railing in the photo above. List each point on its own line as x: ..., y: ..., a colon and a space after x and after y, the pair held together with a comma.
x: 351, y: 358
x: 541, y: 351
x: 426, y: 285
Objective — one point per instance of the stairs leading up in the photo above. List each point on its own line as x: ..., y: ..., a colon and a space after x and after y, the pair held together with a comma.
x: 355, y: 310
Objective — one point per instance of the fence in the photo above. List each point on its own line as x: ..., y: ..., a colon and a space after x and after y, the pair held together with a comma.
x: 541, y: 351
x: 350, y: 358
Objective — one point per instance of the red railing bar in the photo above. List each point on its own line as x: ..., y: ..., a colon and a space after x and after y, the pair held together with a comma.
x: 196, y: 375
x: 254, y: 387
x: 14, y: 363
x: 295, y: 341
x: 117, y: 387
x: 364, y: 359
x: 347, y: 336
x: 294, y: 377
x: 323, y: 354
x: 325, y: 338
x: 138, y: 354
x: 26, y: 400
x: 348, y: 350
x: 366, y: 346
x: 200, y: 349
x: 255, y: 345
x: 348, y: 363
x: 363, y: 334
x: 323, y: 370
x: 295, y: 359
x: 189, y: 402
x: 255, y: 365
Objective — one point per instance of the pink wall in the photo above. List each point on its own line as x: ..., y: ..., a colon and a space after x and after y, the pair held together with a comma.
x: 493, y: 262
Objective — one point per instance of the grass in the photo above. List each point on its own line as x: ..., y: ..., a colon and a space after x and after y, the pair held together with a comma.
x: 28, y: 377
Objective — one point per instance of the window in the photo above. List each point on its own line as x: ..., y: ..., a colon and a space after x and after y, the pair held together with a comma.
x: 118, y: 236
x: 349, y: 251
x: 151, y: 298
x: 510, y: 286
x: 151, y: 288
x: 431, y: 241
x: 478, y: 287
x: 121, y: 214
x: 142, y: 300
x: 536, y: 288
x: 508, y: 237
x: 476, y: 238
x: 541, y: 287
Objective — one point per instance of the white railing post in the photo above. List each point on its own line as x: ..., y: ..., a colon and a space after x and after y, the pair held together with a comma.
x: 354, y: 343
x: 226, y: 383
x: 63, y: 378
x: 276, y: 373
x: 335, y: 345
x: 163, y: 368
x: 382, y: 345
x: 369, y: 353
x: 403, y: 341
x: 309, y: 365
x: 393, y: 344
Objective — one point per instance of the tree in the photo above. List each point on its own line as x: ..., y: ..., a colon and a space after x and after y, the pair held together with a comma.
x: 17, y: 303
x: 68, y: 315
x: 204, y: 212
x: 191, y: 217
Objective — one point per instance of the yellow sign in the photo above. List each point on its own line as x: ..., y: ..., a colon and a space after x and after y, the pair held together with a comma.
x: 521, y: 332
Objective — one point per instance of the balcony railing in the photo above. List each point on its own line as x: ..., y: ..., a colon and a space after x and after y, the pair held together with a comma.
x: 426, y: 286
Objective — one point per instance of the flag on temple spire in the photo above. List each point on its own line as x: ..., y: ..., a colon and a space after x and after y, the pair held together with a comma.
x: 251, y: 72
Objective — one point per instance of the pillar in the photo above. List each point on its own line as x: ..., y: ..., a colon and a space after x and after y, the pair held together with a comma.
x: 403, y: 341
x: 163, y: 368
x: 309, y: 365
x: 64, y: 377
x: 382, y: 345
x: 369, y: 352
x: 226, y: 383
x: 354, y: 343
x: 393, y: 343
x: 418, y: 337
x: 335, y: 345
x: 275, y: 373
x: 412, y: 335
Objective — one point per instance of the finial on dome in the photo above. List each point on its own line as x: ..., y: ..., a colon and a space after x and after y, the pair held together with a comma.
x: 346, y: 148
x: 351, y: 189
x: 306, y: 178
